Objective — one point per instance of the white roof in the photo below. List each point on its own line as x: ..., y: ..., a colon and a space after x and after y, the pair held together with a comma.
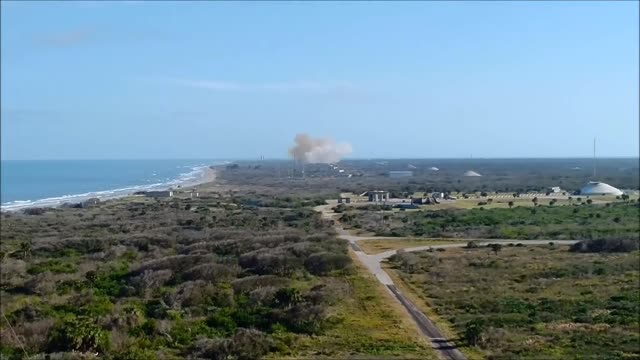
x: 470, y: 173
x: 599, y: 188
x: 433, y: 168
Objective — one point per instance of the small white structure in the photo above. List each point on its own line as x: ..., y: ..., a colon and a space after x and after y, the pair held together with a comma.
x: 159, y: 194
x: 599, y: 188
x: 471, y: 173
x: 433, y: 168
x: 555, y: 189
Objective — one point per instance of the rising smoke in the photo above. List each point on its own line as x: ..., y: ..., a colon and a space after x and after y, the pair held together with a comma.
x: 322, y: 151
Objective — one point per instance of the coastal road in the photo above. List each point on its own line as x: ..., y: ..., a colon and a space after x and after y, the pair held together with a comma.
x: 445, y: 348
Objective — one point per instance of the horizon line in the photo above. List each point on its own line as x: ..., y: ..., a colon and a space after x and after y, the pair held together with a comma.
x: 347, y: 158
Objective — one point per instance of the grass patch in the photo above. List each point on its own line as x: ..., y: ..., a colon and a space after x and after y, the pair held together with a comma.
x: 369, y: 324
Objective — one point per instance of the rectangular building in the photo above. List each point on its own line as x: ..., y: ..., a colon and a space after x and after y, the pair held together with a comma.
x: 378, y: 196
x: 159, y: 194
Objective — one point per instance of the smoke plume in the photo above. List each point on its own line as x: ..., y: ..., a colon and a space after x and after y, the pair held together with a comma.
x: 312, y: 150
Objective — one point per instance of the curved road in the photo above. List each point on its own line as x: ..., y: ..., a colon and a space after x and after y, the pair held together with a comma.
x: 445, y: 348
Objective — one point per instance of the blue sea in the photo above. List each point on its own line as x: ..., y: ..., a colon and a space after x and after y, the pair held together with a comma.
x: 51, y: 182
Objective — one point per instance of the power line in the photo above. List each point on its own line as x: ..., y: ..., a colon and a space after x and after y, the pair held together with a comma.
x: 14, y: 334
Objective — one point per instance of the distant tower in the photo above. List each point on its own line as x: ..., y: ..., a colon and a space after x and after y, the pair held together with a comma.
x: 594, y: 158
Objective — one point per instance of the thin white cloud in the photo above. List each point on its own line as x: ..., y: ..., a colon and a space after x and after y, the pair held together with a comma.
x: 230, y: 86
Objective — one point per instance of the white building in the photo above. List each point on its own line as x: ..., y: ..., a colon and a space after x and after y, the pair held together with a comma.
x: 471, y: 173
x: 599, y: 188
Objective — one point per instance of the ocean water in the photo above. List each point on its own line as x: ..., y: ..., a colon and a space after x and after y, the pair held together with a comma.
x: 52, y: 182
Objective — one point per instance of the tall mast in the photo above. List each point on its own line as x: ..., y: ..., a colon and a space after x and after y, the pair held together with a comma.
x: 594, y: 158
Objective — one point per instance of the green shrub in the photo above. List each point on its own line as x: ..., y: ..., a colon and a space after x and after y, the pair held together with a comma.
x: 79, y: 333
x: 221, y: 321
x: 325, y: 262
x: 473, y: 331
x: 55, y: 266
x: 110, y: 281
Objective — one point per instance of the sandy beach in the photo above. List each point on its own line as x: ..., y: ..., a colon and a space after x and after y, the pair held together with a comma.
x: 206, y: 180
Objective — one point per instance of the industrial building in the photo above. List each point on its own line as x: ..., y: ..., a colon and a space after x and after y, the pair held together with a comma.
x: 378, y: 196
x: 599, y: 188
x: 159, y: 194
x: 400, y: 174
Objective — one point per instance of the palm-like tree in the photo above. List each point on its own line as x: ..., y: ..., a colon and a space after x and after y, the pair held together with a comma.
x: 25, y: 248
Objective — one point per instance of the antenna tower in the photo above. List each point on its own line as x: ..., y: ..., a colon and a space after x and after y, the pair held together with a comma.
x: 594, y: 158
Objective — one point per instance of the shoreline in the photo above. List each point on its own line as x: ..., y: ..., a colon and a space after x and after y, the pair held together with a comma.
x: 207, y: 174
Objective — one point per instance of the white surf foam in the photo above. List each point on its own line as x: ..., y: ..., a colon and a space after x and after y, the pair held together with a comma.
x: 191, y: 178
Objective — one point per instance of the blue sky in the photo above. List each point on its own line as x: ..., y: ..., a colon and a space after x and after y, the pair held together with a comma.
x: 94, y: 80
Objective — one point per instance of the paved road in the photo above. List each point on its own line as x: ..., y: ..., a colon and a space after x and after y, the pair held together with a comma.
x: 442, y: 345
x: 445, y: 348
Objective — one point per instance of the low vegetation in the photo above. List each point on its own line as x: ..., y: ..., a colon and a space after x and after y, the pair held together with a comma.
x: 532, y: 301
x: 217, y: 277
x: 584, y: 222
